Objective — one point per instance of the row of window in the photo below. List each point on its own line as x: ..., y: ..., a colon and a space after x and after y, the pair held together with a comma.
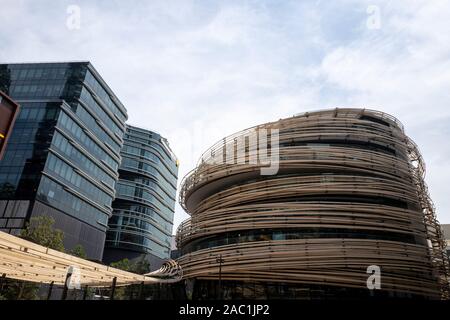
x: 39, y: 147
x: 26, y: 144
x: 17, y: 157
x: 36, y: 90
x: 86, y: 141
x: 63, y: 145
x: 136, y: 242
x: 18, y: 181
x: 147, y: 135
x: 144, y: 181
x: 87, y: 98
x: 140, y: 152
x: 21, y: 135
x: 12, y: 223
x: 132, y: 138
x: 103, y: 95
x: 243, y: 236
x: 55, y: 195
x: 140, y: 194
x: 130, y: 223
x: 40, y: 72
x: 142, y: 212
x: 144, y: 154
x: 38, y: 112
x: 143, y: 167
x: 82, y: 185
x: 27, y: 150
x: 99, y: 132
x: 148, y: 183
x: 8, y: 183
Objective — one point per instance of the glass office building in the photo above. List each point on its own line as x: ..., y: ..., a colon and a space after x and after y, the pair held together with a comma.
x: 145, y: 199
x: 63, y: 156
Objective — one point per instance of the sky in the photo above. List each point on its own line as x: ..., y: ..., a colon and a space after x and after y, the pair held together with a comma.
x: 196, y: 71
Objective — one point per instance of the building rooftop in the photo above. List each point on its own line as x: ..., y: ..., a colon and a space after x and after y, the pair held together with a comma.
x: 90, y: 66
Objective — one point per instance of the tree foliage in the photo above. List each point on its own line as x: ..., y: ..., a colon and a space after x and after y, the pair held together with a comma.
x: 123, y: 264
x: 140, y: 266
x: 78, y: 251
x: 19, y: 290
x: 40, y: 230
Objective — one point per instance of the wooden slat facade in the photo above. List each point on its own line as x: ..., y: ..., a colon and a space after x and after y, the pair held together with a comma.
x: 350, y: 170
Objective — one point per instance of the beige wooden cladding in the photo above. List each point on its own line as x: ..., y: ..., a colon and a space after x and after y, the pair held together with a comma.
x: 24, y: 260
x: 353, y: 153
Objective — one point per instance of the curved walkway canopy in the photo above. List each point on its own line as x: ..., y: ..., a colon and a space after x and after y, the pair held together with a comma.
x: 24, y: 260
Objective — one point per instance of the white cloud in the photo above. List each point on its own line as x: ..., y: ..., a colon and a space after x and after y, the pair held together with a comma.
x: 197, y: 71
x: 404, y: 69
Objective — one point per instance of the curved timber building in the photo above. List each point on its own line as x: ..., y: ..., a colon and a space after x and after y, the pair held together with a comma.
x: 145, y: 199
x: 348, y: 194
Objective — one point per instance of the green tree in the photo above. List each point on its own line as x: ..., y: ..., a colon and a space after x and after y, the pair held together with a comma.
x: 20, y: 290
x: 78, y: 251
x: 123, y: 264
x: 40, y: 230
x: 141, y: 266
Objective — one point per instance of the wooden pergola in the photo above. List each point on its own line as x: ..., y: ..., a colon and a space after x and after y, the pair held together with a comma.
x: 27, y: 261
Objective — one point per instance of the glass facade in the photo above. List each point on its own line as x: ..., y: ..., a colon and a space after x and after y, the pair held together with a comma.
x: 64, y: 151
x: 145, y: 196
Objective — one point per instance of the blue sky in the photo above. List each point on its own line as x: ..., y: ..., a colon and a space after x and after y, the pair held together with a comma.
x: 196, y: 71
